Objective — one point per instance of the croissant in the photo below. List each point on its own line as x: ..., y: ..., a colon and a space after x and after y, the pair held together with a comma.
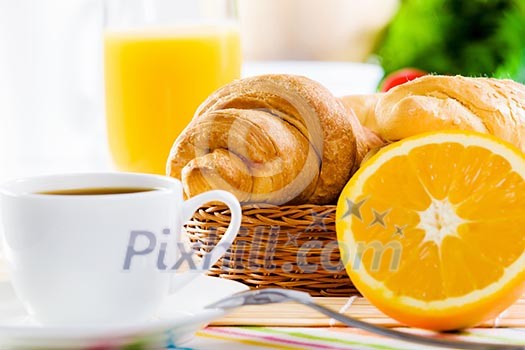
x: 434, y: 102
x: 270, y: 139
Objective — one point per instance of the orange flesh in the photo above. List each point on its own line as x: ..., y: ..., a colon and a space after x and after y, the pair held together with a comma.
x: 488, y: 198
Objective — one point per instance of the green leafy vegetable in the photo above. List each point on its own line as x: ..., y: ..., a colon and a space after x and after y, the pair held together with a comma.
x: 467, y: 37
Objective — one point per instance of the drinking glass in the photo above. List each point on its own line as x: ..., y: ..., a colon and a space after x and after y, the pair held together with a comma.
x: 162, y: 59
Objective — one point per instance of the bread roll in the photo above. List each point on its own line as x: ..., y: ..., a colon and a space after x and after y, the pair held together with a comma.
x: 434, y: 102
x: 364, y: 107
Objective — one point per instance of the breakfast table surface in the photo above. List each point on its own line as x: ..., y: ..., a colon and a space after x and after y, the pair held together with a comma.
x: 218, y: 338
x: 331, y: 337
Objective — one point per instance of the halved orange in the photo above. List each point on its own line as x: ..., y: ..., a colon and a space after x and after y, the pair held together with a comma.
x: 432, y: 229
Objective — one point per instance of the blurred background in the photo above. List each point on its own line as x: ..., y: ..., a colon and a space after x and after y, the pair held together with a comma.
x: 52, y: 115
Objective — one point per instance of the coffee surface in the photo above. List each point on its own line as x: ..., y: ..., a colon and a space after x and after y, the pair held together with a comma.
x: 97, y: 191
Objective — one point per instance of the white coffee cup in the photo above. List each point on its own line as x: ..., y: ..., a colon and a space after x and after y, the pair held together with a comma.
x: 102, y: 259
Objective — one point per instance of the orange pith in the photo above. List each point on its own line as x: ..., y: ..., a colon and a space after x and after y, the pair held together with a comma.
x: 438, y: 240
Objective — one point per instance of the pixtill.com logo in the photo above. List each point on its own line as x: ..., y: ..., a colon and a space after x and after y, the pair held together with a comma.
x: 268, y: 248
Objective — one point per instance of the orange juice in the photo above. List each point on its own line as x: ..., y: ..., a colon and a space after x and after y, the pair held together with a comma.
x: 155, y: 80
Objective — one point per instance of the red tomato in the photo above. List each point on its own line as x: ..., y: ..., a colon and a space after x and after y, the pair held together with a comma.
x: 400, y: 77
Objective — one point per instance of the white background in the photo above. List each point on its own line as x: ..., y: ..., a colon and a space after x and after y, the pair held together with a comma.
x: 51, y: 106
x: 51, y: 86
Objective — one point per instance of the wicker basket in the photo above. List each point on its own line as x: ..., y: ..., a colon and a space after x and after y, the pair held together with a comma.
x: 292, y: 247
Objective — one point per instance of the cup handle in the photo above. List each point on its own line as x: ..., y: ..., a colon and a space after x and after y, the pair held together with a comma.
x: 209, y: 259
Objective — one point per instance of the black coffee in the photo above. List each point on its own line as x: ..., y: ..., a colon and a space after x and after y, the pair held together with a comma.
x: 97, y: 191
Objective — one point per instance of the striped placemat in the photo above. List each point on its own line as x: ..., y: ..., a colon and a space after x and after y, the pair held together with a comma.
x: 252, y: 338
x: 291, y: 314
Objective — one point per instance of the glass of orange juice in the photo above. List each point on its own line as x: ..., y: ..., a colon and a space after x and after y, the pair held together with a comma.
x: 162, y: 59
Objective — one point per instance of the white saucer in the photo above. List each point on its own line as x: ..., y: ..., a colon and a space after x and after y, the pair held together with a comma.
x: 169, y: 327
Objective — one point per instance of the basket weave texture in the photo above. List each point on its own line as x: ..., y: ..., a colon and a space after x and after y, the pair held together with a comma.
x: 292, y: 247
